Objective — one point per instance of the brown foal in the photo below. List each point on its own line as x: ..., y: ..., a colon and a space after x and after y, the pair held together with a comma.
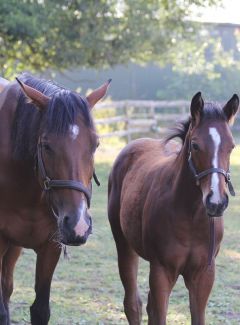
x: 166, y: 205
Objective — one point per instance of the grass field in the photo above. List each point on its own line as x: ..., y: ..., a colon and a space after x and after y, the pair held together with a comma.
x: 86, y: 288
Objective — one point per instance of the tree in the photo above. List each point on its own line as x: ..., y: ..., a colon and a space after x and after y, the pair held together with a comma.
x: 57, y: 34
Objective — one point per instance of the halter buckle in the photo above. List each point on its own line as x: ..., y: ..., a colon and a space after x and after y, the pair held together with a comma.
x: 46, y: 185
x: 228, y: 177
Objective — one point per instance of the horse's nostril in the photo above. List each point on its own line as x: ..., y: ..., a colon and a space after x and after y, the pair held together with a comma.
x: 66, y: 220
x: 226, y: 200
x: 208, y: 198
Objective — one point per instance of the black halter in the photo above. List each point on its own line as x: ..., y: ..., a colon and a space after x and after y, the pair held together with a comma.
x: 204, y: 173
x: 197, y: 177
x: 49, y: 184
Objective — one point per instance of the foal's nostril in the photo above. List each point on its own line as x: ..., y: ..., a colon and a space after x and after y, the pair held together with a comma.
x: 210, y: 206
x: 208, y: 202
x: 226, y: 200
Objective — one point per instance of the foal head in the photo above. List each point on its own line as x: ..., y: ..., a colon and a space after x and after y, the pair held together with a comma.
x: 210, y: 143
x: 66, y: 145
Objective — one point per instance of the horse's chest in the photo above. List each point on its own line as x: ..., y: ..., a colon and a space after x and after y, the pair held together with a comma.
x: 187, y: 243
x: 26, y: 228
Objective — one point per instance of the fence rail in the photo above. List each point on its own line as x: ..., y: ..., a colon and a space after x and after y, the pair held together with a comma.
x: 130, y: 118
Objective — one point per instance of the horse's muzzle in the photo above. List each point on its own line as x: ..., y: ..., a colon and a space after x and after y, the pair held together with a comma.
x: 76, y: 234
x: 216, y: 209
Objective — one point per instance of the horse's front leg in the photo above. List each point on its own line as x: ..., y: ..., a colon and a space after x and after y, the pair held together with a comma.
x: 199, y: 284
x: 8, y: 265
x: 161, y: 282
x: 47, y: 258
x: 3, y: 310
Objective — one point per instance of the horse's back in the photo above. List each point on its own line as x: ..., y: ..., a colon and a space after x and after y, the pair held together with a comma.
x: 140, y: 157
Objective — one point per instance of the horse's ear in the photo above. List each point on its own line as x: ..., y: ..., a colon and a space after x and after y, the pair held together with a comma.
x: 98, y: 94
x: 34, y: 96
x: 231, y: 108
x: 197, y: 105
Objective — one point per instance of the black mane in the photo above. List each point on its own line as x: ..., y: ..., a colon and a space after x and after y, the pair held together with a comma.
x: 211, y: 111
x: 29, y: 122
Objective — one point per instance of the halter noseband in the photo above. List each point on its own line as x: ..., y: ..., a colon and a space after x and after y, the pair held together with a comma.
x: 204, y: 173
x: 49, y: 184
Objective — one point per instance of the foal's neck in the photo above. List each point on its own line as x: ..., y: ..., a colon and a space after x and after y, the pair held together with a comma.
x: 185, y: 188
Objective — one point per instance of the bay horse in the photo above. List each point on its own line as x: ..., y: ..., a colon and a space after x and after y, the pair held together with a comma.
x: 47, y: 146
x: 166, y: 205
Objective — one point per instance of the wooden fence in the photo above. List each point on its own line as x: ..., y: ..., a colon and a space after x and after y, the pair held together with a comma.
x: 132, y: 118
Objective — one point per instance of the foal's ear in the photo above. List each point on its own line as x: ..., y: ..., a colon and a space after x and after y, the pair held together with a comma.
x: 196, y: 108
x: 231, y: 108
x: 98, y: 94
x: 34, y: 96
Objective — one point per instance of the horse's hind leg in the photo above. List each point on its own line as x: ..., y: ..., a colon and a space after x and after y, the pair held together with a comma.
x: 47, y: 258
x: 8, y: 265
x: 128, y: 268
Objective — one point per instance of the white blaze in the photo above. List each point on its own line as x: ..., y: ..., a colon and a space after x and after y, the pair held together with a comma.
x: 74, y: 131
x: 215, y: 198
x: 82, y: 226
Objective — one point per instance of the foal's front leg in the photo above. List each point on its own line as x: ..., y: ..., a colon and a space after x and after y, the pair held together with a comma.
x: 161, y: 282
x: 199, y: 285
x: 47, y: 258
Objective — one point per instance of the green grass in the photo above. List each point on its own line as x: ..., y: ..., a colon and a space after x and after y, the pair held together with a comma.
x: 86, y: 289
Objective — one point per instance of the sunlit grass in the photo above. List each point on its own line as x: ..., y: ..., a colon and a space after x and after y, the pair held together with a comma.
x: 86, y: 289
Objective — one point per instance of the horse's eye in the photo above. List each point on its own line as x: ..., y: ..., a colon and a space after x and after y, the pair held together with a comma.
x: 195, y: 146
x: 47, y: 147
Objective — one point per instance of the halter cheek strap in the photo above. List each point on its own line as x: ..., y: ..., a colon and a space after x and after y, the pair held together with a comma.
x: 49, y: 184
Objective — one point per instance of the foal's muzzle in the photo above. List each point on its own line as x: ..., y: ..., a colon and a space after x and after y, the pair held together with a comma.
x: 216, y: 209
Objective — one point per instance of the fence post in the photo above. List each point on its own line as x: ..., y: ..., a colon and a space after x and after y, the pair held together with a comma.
x: 127, y: 123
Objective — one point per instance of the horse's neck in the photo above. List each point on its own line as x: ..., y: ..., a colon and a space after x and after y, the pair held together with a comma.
x: 11, y: 168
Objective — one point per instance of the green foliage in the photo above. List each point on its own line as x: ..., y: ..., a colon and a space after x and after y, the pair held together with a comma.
x: 57, y: 34
x: 178, y: 85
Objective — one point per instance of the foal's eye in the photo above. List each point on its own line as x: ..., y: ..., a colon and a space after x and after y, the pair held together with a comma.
x: 195, y: 146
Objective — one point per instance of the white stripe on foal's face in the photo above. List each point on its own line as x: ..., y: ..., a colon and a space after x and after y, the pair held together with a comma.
x: 215, y: 198
x: 74, y: 131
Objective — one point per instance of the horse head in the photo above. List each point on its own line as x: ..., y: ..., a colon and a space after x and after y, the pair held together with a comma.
x: 67, y: 141
x: 210, y: 143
